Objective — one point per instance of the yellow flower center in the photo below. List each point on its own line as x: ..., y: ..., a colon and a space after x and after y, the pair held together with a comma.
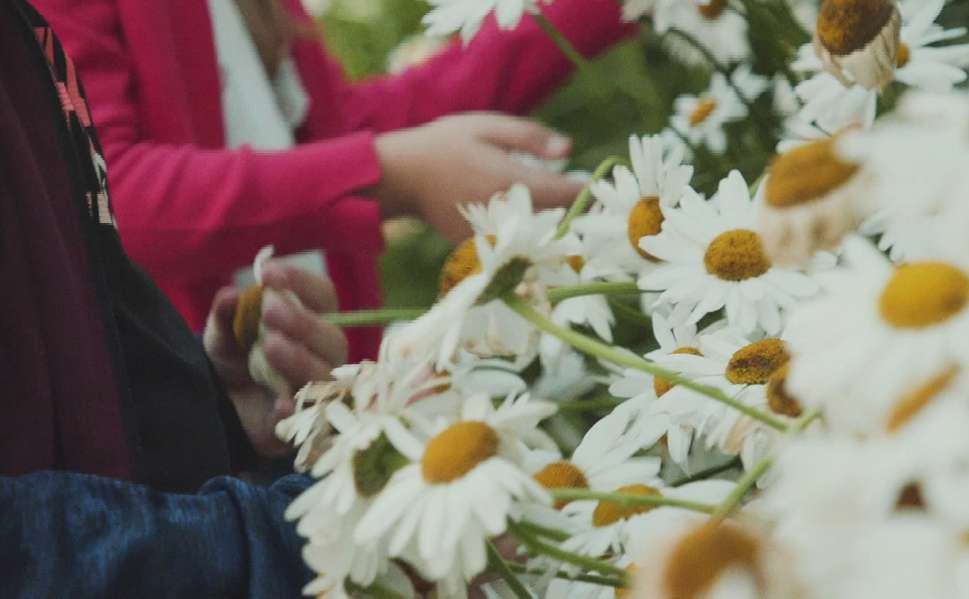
x: 806, y: 173
x: 904, y: 55
x: 248, y: 314
x: 561, y: 475
x: 457, y: 450
x: 702, y: 112
x: 736, y: 255
x: 779, y: 400
x: 460, y: 264
x: 712, y: 9
x: 916, y: 400
x: 848, y: 25
x: 645, y: 219
x: 610, y: 512
x: 662, y: 386
x: 701, y: 556
x: 576, y: 262
x: 922, y: 294
x: 755, y: 363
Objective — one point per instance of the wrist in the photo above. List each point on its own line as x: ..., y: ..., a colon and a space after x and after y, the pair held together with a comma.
x: 395, y: 191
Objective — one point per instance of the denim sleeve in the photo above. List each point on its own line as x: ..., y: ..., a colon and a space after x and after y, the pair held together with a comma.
x: 78, y: 536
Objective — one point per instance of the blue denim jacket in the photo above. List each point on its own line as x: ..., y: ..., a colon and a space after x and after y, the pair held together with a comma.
x: 77, y: 536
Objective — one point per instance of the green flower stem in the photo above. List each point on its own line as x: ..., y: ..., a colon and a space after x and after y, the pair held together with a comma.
x: 590, y: 578
x: 589, y: 405
x: 366, y: 318
x: 604, y: 288
x: 544, y: 531
x: 628, y: 359
x: 499, y: 566
x: 581, y: 62
x: 585, y: 196
x: 376, y: 591
x: 708, y: 473
x: 651, y: 500
x: 745, y: 484
x: 536, y: 546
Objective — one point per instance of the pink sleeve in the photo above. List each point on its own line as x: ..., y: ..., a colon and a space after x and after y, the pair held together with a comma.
x: 186, y: 209
x: 507, y: 71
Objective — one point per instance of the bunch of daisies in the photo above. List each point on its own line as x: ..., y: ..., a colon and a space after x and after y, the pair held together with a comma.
x: 752, y: 389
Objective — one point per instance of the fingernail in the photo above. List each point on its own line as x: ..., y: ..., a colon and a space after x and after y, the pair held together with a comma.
x: 558, y: 145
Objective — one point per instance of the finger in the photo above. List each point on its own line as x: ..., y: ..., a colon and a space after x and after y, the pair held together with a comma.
x: 315, y: 291
x: 305, y: 328
x: 218, y: 326
x: 548, y: 189
x: 524, y: 135
x: 296, y: 363
x: 284, y: 407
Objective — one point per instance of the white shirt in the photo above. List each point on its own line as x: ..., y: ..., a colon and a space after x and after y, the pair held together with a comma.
x: 258, y: 112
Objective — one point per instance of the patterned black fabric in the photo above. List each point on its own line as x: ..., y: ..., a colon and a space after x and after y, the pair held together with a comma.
x: 180, y: 429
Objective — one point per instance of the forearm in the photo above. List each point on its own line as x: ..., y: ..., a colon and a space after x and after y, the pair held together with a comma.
x: 204, y: 212
x: 70, y: 535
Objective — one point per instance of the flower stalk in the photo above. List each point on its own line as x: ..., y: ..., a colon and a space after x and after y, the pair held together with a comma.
x: 590, y: 578
x: 585, y: 196
x: 604, y: 288
x: 632, y: 500
x: 366, y: 318
x: 534, y: 545
x: 626, y: 358
x: 745, y: 484
x: 499, y: 566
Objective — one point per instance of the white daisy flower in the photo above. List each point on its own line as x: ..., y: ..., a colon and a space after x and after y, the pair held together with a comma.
x: 459, y: 490
x: 249, y: 330
x: 512, y: 247
x: 812, y: 196
x: 827, y: 103
x: 675, y: 421
x: 858, y: 40
x: 690, y: 556
x: 608, y: 526
x: 466, y: 16
x: 701, y: 118
x: 879, y: 332
x: 714, y: 259
x: 355, y: 468
x: 633, y: 203
x: 921, y: 64
x: 752, y: 372
x: 918, y: 175
x: 723, y: 32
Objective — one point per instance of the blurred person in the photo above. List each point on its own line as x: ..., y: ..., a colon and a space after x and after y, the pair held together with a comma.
x: 119, y: 426
x: 228, y: 126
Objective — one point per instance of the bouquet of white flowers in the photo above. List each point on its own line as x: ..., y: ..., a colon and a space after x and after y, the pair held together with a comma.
x: 662, y: 395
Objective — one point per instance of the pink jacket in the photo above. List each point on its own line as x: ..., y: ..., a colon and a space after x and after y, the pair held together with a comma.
x: 191, y: 211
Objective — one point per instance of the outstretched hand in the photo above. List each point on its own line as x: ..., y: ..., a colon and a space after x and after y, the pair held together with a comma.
x: 300, y: 345
x: 431, y: 170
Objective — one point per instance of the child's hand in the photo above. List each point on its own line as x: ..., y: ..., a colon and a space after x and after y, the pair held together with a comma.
x: 432, y: 169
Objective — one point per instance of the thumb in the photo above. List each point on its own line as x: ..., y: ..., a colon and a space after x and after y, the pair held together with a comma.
x: 523, y: 135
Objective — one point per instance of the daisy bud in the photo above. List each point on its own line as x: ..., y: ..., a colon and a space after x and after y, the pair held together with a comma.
x: 248, y: 314
x: 811, y: 200
x: 858, y: 40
